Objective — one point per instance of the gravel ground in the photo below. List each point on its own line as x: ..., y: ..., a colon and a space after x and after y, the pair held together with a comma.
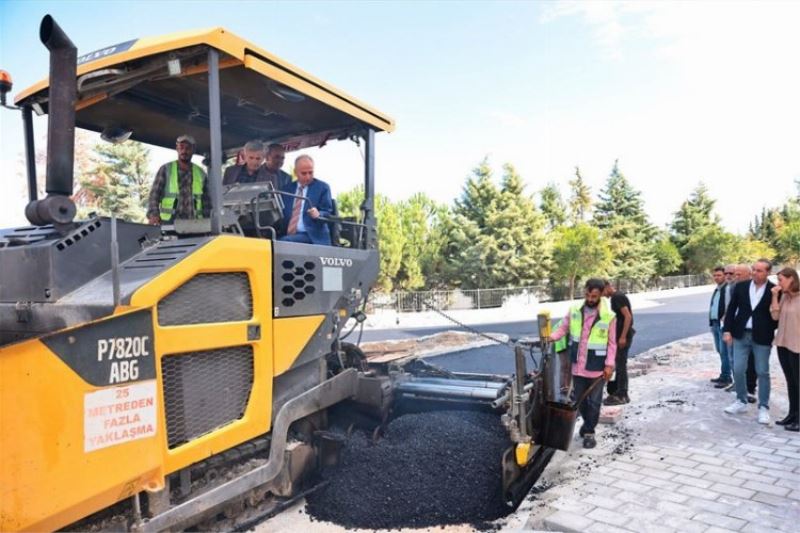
x: 430, y: 469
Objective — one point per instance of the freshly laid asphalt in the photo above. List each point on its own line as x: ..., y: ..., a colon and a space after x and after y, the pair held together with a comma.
x: 677, y: 318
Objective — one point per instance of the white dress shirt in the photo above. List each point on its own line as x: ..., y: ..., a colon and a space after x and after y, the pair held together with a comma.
x: 756, y: 293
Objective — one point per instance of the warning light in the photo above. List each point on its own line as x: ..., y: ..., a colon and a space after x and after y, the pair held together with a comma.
x: 5, y: 85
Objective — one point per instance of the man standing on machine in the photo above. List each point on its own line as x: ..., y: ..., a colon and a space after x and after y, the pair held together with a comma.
x: 180, y: 189
x: 593, y: 348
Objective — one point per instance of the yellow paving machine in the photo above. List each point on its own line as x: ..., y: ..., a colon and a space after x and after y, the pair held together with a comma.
x: 166, y: 376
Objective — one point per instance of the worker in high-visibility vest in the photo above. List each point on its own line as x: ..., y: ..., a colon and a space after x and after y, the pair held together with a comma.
x: 592, y: 345
x: 180, y: 188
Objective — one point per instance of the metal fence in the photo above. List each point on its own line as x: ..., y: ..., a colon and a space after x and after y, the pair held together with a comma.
x: 416, y: 301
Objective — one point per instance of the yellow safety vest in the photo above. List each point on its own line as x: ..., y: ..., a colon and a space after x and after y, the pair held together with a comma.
x: 171, y: 191
x: 597, y: 347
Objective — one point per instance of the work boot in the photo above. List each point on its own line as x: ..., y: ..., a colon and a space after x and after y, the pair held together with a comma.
x: 588, y: 441
x: 614, y: 400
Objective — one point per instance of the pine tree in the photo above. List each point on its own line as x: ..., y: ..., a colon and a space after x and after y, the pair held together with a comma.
x: 580, y: 200
x: 695, y: 213
x: 621, y: 217
x: 552, y: 206
x: 478, y: 195
x: 518, y: 249
x: 698, y: 233
x: 118, y: 181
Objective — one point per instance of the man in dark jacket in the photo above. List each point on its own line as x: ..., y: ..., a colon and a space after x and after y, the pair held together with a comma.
x: 749, y: 327
x: 252, y: 170
x: 716, y: 313
x: 303, y: 217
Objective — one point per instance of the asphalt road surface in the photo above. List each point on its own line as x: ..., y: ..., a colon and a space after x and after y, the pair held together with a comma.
x: 676, y: 318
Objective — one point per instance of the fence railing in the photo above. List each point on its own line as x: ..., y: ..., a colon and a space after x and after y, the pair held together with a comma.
x: 416, y: 301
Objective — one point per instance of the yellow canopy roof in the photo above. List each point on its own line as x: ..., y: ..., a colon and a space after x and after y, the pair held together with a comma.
x: 158, y: 87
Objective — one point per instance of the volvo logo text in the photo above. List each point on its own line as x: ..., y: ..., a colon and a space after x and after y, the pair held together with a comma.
x: 336, y: 261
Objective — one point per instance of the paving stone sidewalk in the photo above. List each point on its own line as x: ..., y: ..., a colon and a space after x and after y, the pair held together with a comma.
x: 675, y: 461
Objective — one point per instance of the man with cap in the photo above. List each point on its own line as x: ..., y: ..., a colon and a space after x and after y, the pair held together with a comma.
x: 180, y: 188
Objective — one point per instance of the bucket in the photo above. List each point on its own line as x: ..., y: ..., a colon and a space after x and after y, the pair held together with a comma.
x: 559, y: 425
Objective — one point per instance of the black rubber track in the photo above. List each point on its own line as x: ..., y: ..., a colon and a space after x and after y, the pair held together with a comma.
x: 429, y: 469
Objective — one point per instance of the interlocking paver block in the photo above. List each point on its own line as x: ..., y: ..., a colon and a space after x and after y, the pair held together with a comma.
x: 656, y: 472
x: 714, y: 519
x: 750, y: 476
x: 752, y: 448
x: 567, y: 522
x: 764, y: 487
x: 733, y: 491
x: 769, y: 499
x: 693, y: 481
x: 728, y: 480
x: 609, y: 517
x: 602, y: 501
x: 707, y: 459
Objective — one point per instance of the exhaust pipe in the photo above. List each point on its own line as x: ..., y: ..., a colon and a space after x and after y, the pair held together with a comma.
x: 57, y: 208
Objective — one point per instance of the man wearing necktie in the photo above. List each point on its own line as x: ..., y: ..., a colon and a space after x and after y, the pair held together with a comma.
x: 716, y: 312
x: 302, y: 217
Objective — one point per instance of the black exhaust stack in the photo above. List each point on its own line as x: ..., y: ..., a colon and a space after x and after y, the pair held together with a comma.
x: 57, y: 208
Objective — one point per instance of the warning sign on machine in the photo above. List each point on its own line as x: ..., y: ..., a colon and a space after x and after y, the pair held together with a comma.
x: 120, y: 414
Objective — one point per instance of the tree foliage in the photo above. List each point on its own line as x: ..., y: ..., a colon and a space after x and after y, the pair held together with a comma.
x: 580, y: 199
x: 117, y: 181
x: 621, y: 217
x: 552, y: 206
x: 578, y: 253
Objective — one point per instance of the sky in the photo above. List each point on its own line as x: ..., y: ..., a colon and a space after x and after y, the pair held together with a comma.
x: 679, y: 92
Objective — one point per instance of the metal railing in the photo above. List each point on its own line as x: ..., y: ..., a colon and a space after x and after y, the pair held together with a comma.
x: 462, y: 299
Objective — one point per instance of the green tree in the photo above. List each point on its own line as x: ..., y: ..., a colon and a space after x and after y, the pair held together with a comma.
x: 118, y: 181
x: 695, y: 213
x: 421, y: 219
x: 579, y: 252
x: 497, y: 236
x: 707, y: 247
x: 552, y: 206
x: 621, y: 216
x: 391, y: 237
x: 516, y: 235
x: 667, y: 257
x: 479, y: 195
x: 580, y: 200
x: 789, y: 242
x: 749, y: 250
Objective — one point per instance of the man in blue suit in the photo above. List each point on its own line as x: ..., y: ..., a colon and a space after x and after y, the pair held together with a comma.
x: 302, y: 218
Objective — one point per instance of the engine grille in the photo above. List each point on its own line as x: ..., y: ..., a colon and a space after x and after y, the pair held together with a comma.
x: 205, y: 390
x: 208, y: 298
x: 298, y: 281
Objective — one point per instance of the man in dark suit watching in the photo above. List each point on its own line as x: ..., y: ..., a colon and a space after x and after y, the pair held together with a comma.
x: 302, y: 218
x: 749, y: 327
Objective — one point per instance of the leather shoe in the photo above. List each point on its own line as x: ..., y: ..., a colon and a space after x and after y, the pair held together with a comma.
x: 751, y: 399
x: 715, y: 380
x: 589, y: 442
x: 722, y: 384
x: 788, y: 419
x: 794, y: 426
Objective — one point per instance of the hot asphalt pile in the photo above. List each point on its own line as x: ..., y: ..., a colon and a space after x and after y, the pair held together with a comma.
x: 429, y: 469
